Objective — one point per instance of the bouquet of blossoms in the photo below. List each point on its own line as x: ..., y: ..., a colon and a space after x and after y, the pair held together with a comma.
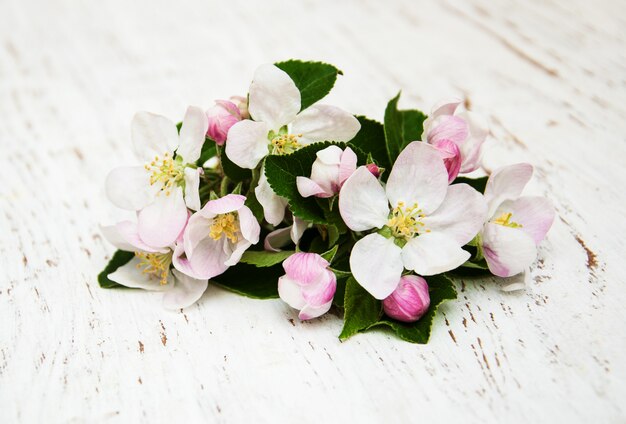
x: 275, y: 195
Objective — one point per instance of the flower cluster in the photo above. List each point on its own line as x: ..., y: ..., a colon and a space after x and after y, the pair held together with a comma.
x: 276, y: 195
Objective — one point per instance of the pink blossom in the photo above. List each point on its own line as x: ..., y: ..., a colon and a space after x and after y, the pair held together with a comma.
x: 409, y: 301
x: 332, y: 167
x: 374, y: 169
x: 308, y: 284
x: 221, y: 117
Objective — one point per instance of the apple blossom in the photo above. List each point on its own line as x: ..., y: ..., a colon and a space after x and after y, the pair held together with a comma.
x: 150, y: 269
x: 409, y: 301
x: 447, y: 125
x: 217, y: 235
x: 162, y: 189
x: 308, y: 284
x: 283, y: 236
x: 422, y: 221
x: 515, y: 224
x: 329, y: 171
x: 222, y: 116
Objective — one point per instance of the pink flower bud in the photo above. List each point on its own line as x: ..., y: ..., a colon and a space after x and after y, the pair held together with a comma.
x: 330, y: 170
x: 409, y: 301
x: 374, y: 169
x: 221, y: 117
x: 451, y: 155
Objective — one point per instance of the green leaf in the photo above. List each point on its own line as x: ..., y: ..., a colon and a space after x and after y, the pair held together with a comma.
x: 313, y: 79
x: 401, y: 127
x: 262, y: 258
x: 209, y: 149
x: 361, y: 309
x: 250, y: 281
x: 478, y: 183
x: 441, y: 288
x: 371, y: 139
x: 120, y: 258
x: 330, y: 255
x: 231, y: 170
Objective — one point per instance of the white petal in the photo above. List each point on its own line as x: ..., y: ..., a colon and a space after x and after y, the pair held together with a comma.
x: 273, y: 205
x: 192, y: 134
x: 471, y: 149
x: 307, y: 188
x: 161, y: 222
x: 508, y: 251
x: 506, y: 183
x: 129, y: 188
x: 130, y: 275
x: 249, y: 226
x: 433, y: 253
x: 153, y: 135
x: 362, y: 201
x: 238, y: 251
x: 534, y: 214
x: 461, y: 214
x: 277, y: 239
x: 125, y: 236
x: 247, y: 143
x: 192, y: 185
x: 376, y: 263
x: 310, y: 311
x: 418, y: 176
x: 325, y: 123
x: 186, y: 291
x: 197, y: 229
x: 209, y: 257
x: 297, y: 229
x: 331, y: 155
x: 289, y: 291
x: 274, y: 98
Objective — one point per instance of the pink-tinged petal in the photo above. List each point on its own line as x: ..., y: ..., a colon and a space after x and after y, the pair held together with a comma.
x: 409, y: 301
x: 273, y: 204
x: 192, y: 134
x: 451, y: 155
x: 192, y: 186
x: 330, y: 155
x: 305, y: 268
x: 289, y: 292
x: 311, y: 312
x: 125, y: 236
x: 180, y: 261
x: 274, y: 97
x: 471, y: 149
x: 153, y: 135
x: 298, y: 228
x: 307, y: 188
x: 450, y: 128
x: 362, y: 201
x: 197, y: 229
x: 461, y: 214
x: 277, y: 239
x: 186, y: 291
x: 161, y: 222
x: 508, y: 251
x: 433, y: 253
x: 506, y: 183
x: 221, y: 118
x: 237, y: 252
x: 130, y: 275
x: 325, y: 123
x: 322, y: 290
x: 442, y: 109
x: 248, y: 225
x: 247, y: 143
x: 376, y: 264
x: 129, y: 188
x: 226, y: 204
x: 347, y: 165
x: 209, y: 258
x: 534, y: 214
x: 418, y: 176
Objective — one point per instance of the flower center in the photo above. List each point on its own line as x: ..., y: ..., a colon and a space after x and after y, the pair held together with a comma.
x: 406, y: 222
x: 505, y: 220
x: 167, y: 172
x: 157, y: 265
x: 283, y: 144
x: 226, y: 225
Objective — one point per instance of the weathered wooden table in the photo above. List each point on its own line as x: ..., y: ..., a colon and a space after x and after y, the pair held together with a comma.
x: 550, y: 77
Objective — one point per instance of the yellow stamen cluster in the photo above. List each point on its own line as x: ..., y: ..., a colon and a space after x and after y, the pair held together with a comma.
x: 157, y: 265
x: 405, y: 222
x: 285, y: 144
x: 165, y: 171
x: 505, y: 220
x: 225, y: 225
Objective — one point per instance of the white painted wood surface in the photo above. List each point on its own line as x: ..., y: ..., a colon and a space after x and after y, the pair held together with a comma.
x: 550, y: 76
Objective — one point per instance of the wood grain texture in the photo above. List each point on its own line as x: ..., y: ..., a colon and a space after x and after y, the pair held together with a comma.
x: 551, y: 78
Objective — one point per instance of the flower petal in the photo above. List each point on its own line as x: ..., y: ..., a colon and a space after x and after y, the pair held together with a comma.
x: 192, y: 134
x: 161, y: 222
x: 273, y: 204
x: 362, y: 201
x: 186, y: 291
x: 433, y: 253
x: 508, y: 251
x: 461, y: 214
x: 471, y: 149
x: 153, y: 135
x: 192, y: 185
x: 197, y: 229
x: 418, y: 176
x: 129, y: 188
x: 274, y: 97
x: 376, y: 263
x: 450, y: 128
x: 325, y: 123
x: 310, y: 311
x: 290, y: 293
x: 125, y: 236
x: 307, y: 188
x: 534, y: 214
x: 247, y: 143
x: 298, y: 228
x: 331, y: 155
x: 248, y: 225
x: 130, y: 276
x: 322, y: 290
x: 277, y: 239
x: 347, y: 165
x: 305, y: 268
x: 506, y: 183
x: 209, y: 258
x: 226, y: 204
x: 237, y: 252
